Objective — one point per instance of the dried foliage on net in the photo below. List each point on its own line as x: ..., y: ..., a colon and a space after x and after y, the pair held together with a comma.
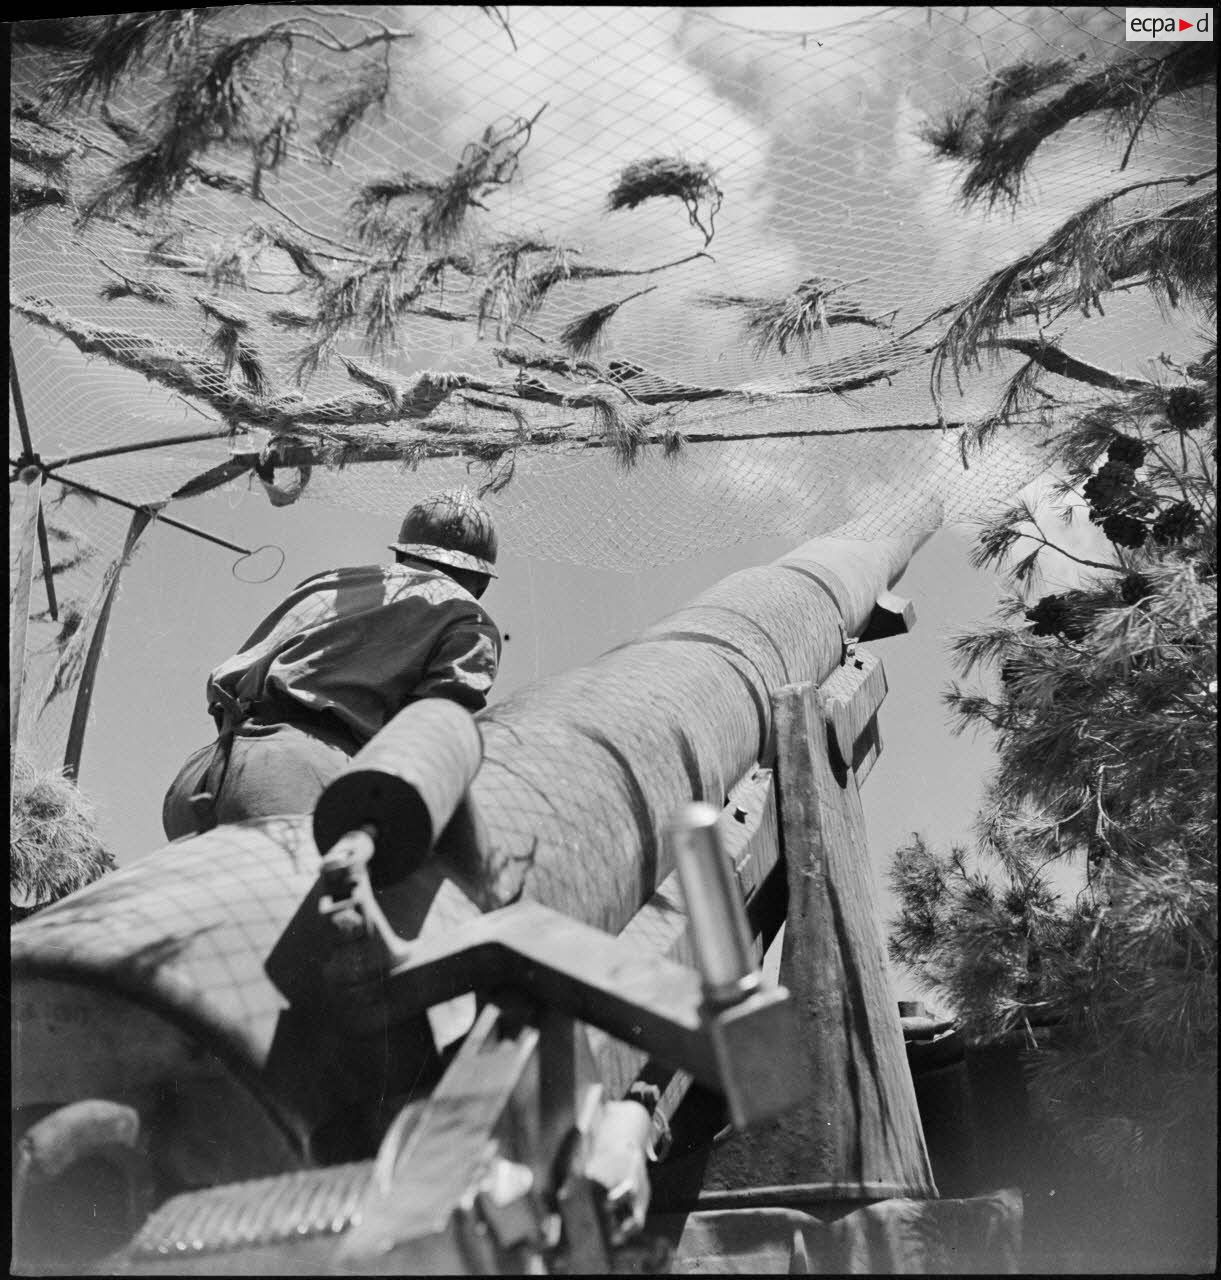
x: 54, y: 845
x: 795, y: 319
x: 230, y: 111
x: 441, y: 206
x: 225, y: 108
x: 1172, y: 251
x: 584, y: 334
x: 1104, y: 709
x: 998, y: 131
x: 1112, y: 242
x: 663, y: 176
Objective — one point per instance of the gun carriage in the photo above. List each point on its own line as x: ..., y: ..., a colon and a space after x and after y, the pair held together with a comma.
x: 449, y: 1022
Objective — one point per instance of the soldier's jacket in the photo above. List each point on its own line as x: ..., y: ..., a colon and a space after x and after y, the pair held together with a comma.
x: 358, y: 644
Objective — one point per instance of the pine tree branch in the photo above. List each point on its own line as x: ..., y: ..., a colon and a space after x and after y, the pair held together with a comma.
x: 999, y: 137
x: 1055, y: 360
x: 978, y: 317
x: 1092, y: 564
x: 501, y: 20
x: 387, y: 35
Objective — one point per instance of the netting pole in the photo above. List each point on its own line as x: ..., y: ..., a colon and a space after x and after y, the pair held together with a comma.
x: 84, y: 693
x: 28, y: 455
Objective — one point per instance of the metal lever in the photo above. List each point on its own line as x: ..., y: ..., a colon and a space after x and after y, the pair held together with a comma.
x: 367, y: 946
x: 719, y: 930
x: 752, y: 1028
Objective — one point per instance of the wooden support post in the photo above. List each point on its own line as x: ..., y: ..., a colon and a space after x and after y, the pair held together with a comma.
x: 23, y: 523
x: 103, y: 604
x: 851, y: 696
x: 857, y: 1136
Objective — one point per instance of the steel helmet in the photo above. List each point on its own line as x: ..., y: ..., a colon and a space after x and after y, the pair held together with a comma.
x: 452, y: 528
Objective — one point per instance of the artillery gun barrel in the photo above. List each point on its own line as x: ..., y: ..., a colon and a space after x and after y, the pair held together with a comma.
x: 582, y: 771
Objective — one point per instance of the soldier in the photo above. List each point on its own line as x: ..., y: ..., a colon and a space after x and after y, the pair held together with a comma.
x: 339, y: 658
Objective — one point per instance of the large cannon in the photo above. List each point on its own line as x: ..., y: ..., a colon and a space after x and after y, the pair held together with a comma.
x: 237, y: 1055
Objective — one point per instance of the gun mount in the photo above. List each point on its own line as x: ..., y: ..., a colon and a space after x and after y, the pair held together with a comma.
x: 450, y: 1043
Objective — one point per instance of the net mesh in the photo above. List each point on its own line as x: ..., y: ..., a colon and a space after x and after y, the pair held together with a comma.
x: 672, y: 429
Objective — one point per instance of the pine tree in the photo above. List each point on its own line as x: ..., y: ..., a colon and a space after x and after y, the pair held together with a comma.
x: 54, y: 846
x: 1104, y: 706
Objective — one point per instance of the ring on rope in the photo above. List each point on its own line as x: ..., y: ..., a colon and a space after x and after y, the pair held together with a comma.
x: 268, y: 546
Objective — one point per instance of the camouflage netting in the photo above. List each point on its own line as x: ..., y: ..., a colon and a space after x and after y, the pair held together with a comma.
x: 651, y: 279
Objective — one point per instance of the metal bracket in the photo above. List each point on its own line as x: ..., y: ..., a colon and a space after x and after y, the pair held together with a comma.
x: 740, y: 1043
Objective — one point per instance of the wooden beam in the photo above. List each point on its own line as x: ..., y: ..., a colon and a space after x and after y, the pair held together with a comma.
x: 851, y: 695
x: 84, y: 692
x: 23, y: 521
x: 857, y: 1136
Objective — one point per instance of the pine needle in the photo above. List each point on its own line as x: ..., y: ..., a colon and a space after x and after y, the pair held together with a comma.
x: 142, y: 289
x: 660, y: 177
x: 229, y: 342
x: 115, y: 45
x: 585, y: 333
x: 1079, y: 261
x: 282, y: 239
x: 443, y: 205
x: 1020, y: 395
x: 382, y: 383
x: 54, y: 844
x: 550, y: 362
x: 998, y: 136
x: 286, y: 319
x: 33, y: 146
x: 225, y: 341
x: 792, y: 321
x: 29, y: 197
x: 501, y: 20
x: 270, y: 148
x: 369, y: 210
x: 501, y: 470
x: 211, y: 100
x: 252, y: 369
x: 339, y: 301
x: 347, y: 111
x: 510, y: 295
x: 624, y: 437
x: 311, y: 358
x: 230, y: 263
x: 124, y: 131
x: 225, y: 315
